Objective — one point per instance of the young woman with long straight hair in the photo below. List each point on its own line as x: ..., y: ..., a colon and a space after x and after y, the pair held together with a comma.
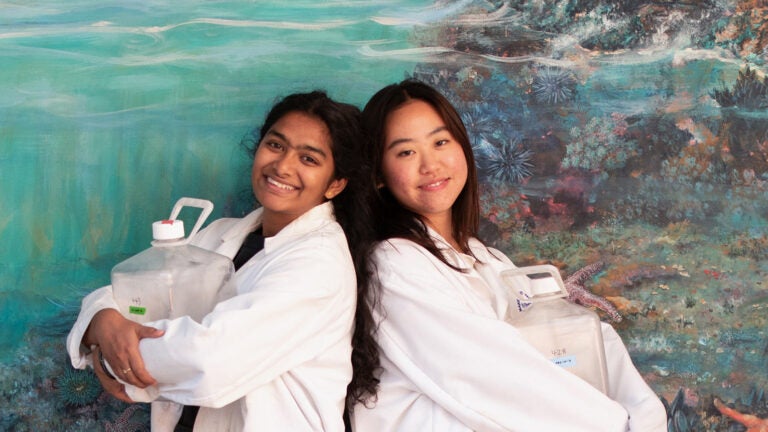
x: 450, y: 359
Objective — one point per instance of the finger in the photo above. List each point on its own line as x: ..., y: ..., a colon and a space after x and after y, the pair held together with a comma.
x: 139, y: 375
x: 122, y: 369
x: 119, y: 339
x: 122, y: 354
x: 128, y: 374
x: 116, y: 338
x: 109, y: 384
x: 120, y: 365
x: 113, y: 387
x: 136, y: 374
x: 119, y: 393
x: 149, y: 332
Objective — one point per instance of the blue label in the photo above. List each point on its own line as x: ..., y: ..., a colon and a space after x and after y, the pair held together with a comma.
x: 565, y: 362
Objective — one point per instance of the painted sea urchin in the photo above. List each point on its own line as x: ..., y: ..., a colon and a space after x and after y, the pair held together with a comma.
x: 481, y: 122
x: 78, y: 387
x: 553, y: 86
x: 507, y: 163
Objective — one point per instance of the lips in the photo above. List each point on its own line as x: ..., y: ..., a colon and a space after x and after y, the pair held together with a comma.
x: 279, y: 185
x: 436, y: 185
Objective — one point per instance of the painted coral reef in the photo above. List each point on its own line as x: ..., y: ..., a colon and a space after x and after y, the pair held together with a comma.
x: 635, y: 138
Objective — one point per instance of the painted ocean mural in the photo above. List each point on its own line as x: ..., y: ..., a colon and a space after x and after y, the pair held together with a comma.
x: 624, y: 142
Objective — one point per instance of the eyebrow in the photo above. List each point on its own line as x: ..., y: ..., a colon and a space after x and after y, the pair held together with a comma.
x: 404, y: 140
x: 306, y: 147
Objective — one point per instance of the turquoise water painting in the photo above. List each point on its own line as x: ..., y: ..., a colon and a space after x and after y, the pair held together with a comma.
x: 624, y: 142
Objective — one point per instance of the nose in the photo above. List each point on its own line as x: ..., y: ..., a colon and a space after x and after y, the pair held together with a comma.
x: 429, y: 162
x: 284, y: 164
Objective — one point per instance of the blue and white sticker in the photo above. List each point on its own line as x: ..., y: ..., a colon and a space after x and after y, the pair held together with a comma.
x: 565, y: 362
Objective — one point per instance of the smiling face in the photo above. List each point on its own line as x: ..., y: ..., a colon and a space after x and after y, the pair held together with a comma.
x: 423, y: 165
x: 293, y: 170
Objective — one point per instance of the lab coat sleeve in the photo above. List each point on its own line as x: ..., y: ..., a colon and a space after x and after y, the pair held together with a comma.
x: 476, y: 367
x: 97, y: 300
x: 627, y: 386
x: 283, y: 316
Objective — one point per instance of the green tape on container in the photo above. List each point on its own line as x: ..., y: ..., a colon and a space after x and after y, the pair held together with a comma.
x: 137, y: 310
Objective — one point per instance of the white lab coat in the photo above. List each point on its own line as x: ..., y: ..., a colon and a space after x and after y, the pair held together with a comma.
x: 450, y: 361
x: 276, y: 357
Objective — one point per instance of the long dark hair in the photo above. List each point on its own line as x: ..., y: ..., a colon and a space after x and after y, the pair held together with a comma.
x: 352, y: 213
x: 394, y: 220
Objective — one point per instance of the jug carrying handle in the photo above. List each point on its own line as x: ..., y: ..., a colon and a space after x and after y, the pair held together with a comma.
x: 203, y: 204
x: 558, y: 290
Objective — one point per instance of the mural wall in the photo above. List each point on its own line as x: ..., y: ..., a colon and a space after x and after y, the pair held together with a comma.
x: 625, y: 142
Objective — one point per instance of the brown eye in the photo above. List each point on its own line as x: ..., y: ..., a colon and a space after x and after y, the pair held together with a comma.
x: 310, y: 160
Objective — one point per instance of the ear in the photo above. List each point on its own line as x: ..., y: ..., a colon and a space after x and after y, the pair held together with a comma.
x: 379, y: 182
x: 335, y: 188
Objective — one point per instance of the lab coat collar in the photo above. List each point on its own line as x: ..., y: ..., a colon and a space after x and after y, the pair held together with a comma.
x: 312, y: 219
x: 456, y: 258
x: 244, y: 226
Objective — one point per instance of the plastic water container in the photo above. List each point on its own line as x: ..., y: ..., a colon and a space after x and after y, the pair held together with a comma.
x: 566, y: 333
x: 173, y: 278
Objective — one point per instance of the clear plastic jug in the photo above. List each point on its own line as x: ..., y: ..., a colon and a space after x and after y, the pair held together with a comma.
x: 566, y: 333
x: 173, y: 278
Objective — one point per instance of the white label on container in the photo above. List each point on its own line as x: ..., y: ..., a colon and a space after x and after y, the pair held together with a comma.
x: 565, y: 362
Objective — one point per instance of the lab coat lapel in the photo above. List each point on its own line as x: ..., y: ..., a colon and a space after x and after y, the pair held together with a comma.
x: 233, y: 238
x: 313, y: 219
x: 489, y: 270
x: 230, y: 240
x: 483, y: 299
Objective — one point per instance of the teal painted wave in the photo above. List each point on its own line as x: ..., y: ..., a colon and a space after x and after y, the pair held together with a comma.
x: 109, y: 113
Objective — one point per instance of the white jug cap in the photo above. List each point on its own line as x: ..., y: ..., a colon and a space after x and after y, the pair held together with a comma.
x: 168, y: 229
